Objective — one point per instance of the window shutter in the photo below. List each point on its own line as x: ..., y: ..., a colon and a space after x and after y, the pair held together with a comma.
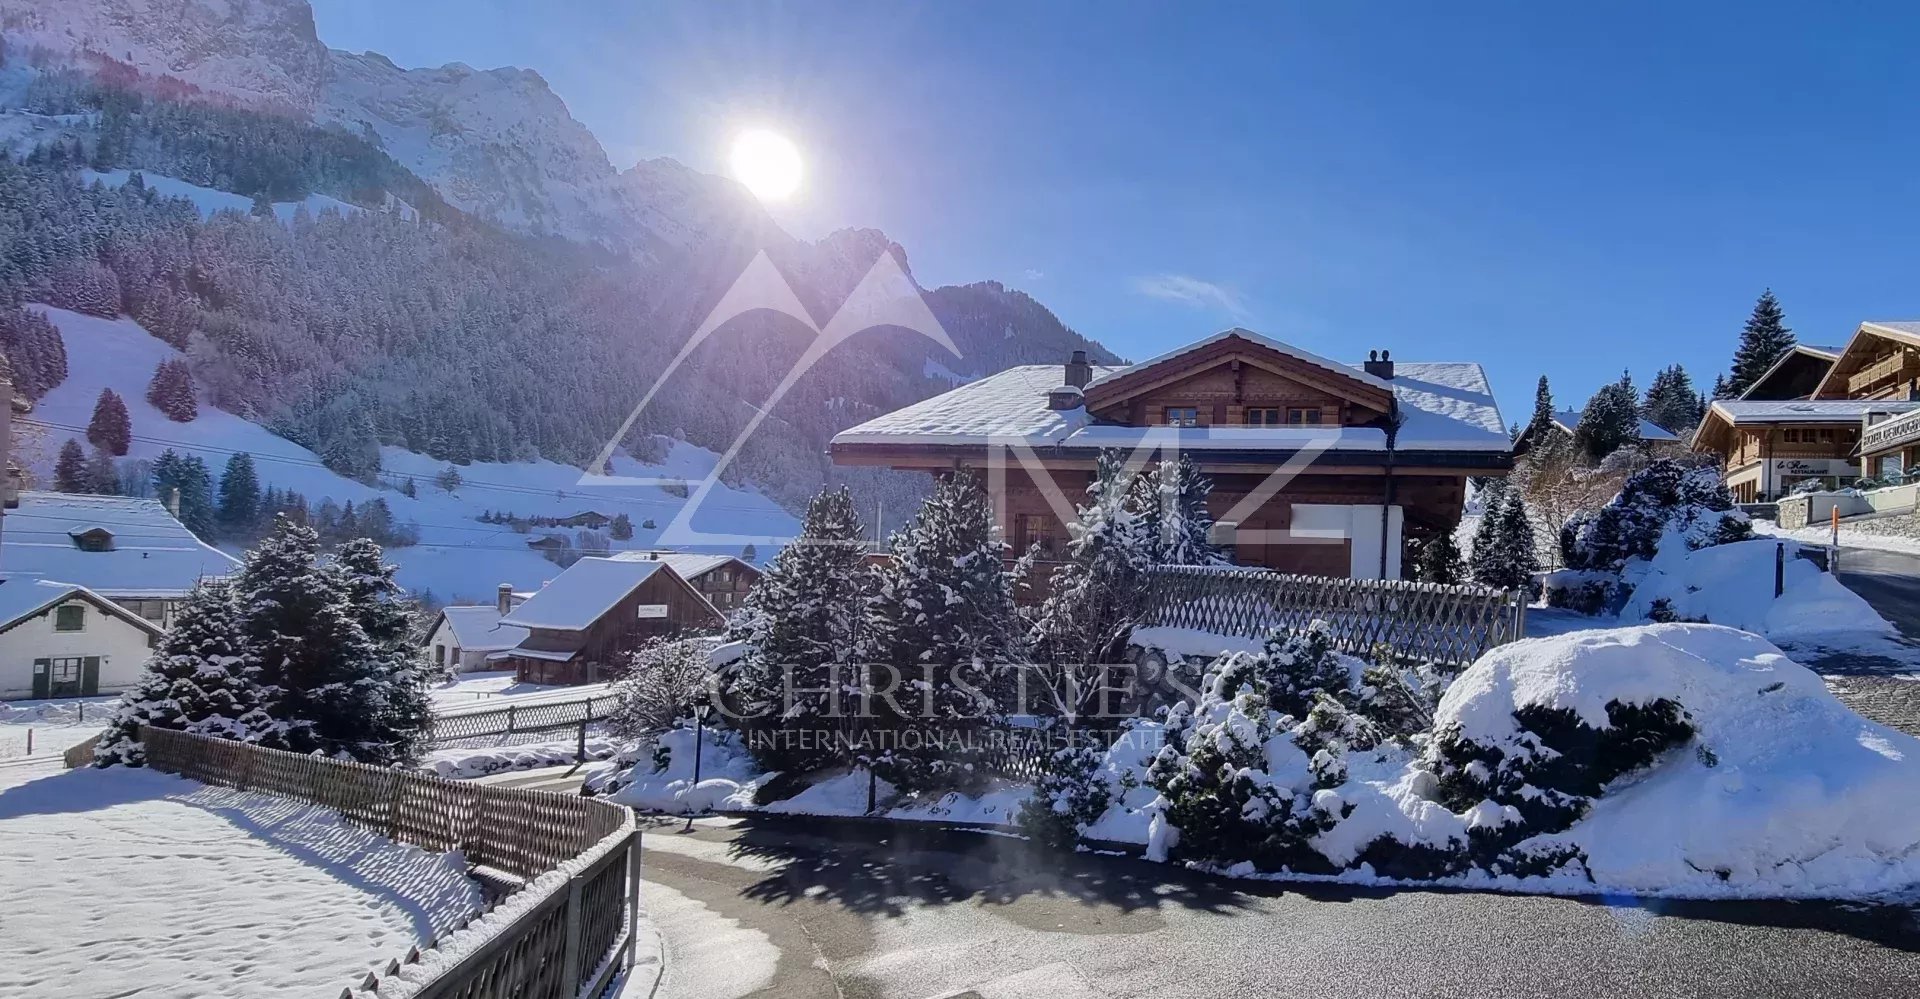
x: 90, y: 676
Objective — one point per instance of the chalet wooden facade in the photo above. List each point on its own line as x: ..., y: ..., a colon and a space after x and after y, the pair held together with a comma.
x: 582, y: 625
x: 724, y: 580
x: 1821, y: 415
x: 1317, y: 466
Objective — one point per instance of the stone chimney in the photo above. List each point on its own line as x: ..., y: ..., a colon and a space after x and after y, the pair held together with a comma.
x: 504, y: 602
x: 1079, y: 372
x: 1379, y: 364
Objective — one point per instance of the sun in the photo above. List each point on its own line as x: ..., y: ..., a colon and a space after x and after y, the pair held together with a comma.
x: 767, y: 163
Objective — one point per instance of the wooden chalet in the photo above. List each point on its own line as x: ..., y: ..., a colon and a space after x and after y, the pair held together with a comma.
x: 723, y: 579
x: 1382, y: 449
x: 581, y: 626
x: 1881, y: 363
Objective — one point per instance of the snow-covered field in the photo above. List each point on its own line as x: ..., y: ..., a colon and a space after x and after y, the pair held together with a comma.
x: 459, y: 559
x: 130, y: 882
x: 466, y: 764
x: 55, y: 724
x: 499, y: 688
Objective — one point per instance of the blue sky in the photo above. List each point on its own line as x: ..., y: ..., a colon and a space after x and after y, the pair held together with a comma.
x: 1561, y: 191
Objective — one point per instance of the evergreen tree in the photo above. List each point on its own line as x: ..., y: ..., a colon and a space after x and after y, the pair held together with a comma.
x: 184, y: 480
x: 323, y: 682
x: 621, y: 529
x: 1542, y: 408
x: 110, y: 430
x: 70, y: 469
x: 1611, y: 420
x: 239, y: 494
x: 1503, y: 551
x: 1440, y: 560
x: 803, y: 622
x: 749, y: 554
x: 400, y: 670
x: 1173, y: 501
x: 408, y: 489
x: 171, y: 391
x: 1672, y: 403
x: 1720, y: 389
x: 102, y: 477
x: 200, y: 679
x: 942, y: 630
x: 1764, y: 339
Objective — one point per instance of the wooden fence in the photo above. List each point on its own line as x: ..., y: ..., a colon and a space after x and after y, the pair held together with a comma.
x: 514, y: 721
x: 1429, y: 622
x: 568, y: 944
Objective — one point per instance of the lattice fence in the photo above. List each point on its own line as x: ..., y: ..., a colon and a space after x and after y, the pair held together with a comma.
x: 518, y: 721
x: 1429, y: 622
x: 570, y: 943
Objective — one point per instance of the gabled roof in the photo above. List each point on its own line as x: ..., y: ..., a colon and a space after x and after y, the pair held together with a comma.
x: 153, y: 556
x: 23, y: 598
x: 582, y: 593
x: 1826, y: 355
x: 1446, y: 406
x: 1249, y: 336
x: 1903, y: 332
x: 478, y: 628
x: 690, y: 565
x: 1739, y: 412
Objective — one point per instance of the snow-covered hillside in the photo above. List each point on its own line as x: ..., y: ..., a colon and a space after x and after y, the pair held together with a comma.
x: 210, y: 201
x: 458, y: 557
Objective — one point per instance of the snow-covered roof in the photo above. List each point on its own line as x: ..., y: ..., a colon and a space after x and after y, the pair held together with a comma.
x: 154, y: 556
x: 1447, y: 406
x: 1250, y: 336
x: 1807, y: 410
x: 1828, y: 350
x: 690, y: 565
x: 580, y: 595
x: 23, y: 597
x: 1567, y: 419
x: 1911, y: 329
x: 478, y: 629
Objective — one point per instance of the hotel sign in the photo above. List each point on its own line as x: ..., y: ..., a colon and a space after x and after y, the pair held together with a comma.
x: 1889, y: 434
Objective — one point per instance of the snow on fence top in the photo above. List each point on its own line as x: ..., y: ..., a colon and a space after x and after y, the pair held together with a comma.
x: 1429, y: 622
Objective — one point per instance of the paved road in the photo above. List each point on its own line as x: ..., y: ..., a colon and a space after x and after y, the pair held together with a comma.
x: 1879, y: 683
x: 794, y: 908
x: 1890, y: 581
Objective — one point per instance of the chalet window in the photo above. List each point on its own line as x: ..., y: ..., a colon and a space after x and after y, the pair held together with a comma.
x: 66, y: 671
x: 1309, y: 415
x: 1035, y: 529
x: 1793, y: 437
x: 1826, y: 436
x: 1183, y: 416
x: 1263, y: 417
x: 439, y: 655
x: 152, y: 610
x: 70, y: 617
x: 94, y: 541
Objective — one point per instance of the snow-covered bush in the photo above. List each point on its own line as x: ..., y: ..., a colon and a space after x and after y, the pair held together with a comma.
x: 1295, y: 668
x: 1237, y: 781
x: 1582, y: 590
x: 1524, y: 744
x: 1668, y: 495
x: 661, y: 683
x: 1069, y: 796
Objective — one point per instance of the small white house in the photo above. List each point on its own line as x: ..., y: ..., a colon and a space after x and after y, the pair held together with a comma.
x: 463, y: 637
x: 64, y: 640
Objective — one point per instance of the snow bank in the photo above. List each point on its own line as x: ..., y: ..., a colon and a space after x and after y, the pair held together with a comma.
x: 1783, y: 791
x: 728, y: 775
x: 466, y: 764
x: 133, y: 882
x: 1733, y: 585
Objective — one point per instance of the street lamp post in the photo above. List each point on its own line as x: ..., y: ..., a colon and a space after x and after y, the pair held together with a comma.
x: 702, y: 710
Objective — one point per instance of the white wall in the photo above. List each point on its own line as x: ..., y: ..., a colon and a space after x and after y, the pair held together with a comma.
x: 1360, y: 523
x: 458, y: 660
x: 122, y: 649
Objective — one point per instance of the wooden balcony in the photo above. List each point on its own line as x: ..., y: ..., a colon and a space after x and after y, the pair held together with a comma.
x: 1898, y: 366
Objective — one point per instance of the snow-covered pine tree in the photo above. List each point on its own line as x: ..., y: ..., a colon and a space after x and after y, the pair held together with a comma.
x: 1440, y: 560
x: 200, y: 679
x: 1542, y: 420
x: 102, y: 477
x: 942, y: 622
x: 792, y: 694
x: 171, y: 391
x: 185, y: 478
x: 1762, y: 341
x: 1503, y: 548
x: 320, y: 676
x: 386, y: 616
x: 70, y: 469
x: 1173, y: 501
x: 110, y: 429
x: 1611, y: 420
x: 239, y: 493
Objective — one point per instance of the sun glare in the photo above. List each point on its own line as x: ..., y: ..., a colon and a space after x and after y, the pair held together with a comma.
x: 767, y: 163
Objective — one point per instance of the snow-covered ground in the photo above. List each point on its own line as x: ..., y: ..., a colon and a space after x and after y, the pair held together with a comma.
x: 466, y: 764
x: 131, y: 882
x: 55, y: 724
x: 498, y: 688
x: 458, y: 558
x: 210, y: 201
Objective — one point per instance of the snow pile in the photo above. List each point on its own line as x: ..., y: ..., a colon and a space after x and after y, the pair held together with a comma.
x: 56, y: 725
x: 662, y: 779
x: 1733, y: 585
x: 132, y: 882
x: 1781, y: 791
